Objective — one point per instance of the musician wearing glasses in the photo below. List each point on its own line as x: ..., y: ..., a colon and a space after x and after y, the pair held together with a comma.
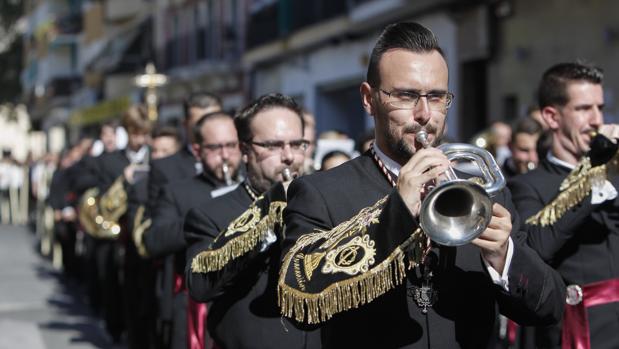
x: 235, y: 239
x: 217, y: 146
x: 575, y: 229
x: 357, y: 263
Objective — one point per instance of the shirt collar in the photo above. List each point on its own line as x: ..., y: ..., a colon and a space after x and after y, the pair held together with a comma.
x: 554, y: 160
x: 391, y: 165
x: 136, y: 157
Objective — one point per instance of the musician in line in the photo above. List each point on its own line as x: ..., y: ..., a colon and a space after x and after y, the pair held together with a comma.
x: 583, y: 242
x: 357, y: 263
x: 113, y: 166
x: 523, y: 147
x: 139, y: 273
x: 217, y: 146
x: 234, y: 252
x: 181, y: 165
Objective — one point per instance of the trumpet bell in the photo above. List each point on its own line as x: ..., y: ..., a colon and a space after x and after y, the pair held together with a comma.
x: 456, y: 212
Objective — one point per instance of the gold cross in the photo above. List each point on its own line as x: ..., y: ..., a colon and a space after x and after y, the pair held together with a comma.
x: 151, y: 80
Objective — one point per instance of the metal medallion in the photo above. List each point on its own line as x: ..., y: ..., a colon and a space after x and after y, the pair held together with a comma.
x: 573, y: 295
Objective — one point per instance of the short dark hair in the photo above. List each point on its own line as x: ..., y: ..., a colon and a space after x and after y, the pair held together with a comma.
x: 166, y: 131
x: 526, y: 125
x: 197, y: 128
x: 112, y: 123
x: 243, y: 119
x: 552, y: 89
x: 404, y: 35
x: 200, y: 100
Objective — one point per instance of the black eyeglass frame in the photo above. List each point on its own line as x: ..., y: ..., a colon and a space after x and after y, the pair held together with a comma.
x: 450, y: 96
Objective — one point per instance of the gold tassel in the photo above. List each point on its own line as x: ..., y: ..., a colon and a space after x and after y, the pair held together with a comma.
x: 351, y: 293
x: 214, y: 260
x: 574, y: 188
x: 348, y: 294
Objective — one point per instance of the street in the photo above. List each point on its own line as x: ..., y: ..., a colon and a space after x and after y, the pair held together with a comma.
x: 39, y: 307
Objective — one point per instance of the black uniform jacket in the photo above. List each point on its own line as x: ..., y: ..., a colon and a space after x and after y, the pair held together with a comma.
x: 583, y: 245
x: 60, y: 189
x: 464, y: 312
x: 85, y: 173
x: 243, y: 312
x: 111, y: 166
x: 165, y: 236
x: 177, y: 166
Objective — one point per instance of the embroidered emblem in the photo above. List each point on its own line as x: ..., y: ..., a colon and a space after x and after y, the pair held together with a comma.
x: 352, y: 258
x: 246, y: 222
x: 298, y: 259
x: 311, y: 262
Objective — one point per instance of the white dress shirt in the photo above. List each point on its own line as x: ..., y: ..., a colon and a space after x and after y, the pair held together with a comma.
x: 600, y: 190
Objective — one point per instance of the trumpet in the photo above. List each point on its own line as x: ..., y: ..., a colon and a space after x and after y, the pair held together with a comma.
x: 225, y: 168
x: 287, y: 175
x: 457, y: 211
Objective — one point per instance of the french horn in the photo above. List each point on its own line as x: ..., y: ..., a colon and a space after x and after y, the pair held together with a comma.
x: 99, y: 214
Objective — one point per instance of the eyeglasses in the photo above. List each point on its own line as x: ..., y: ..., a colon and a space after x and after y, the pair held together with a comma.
x: 437, y: 101
x: 298, y: 145
x: 221, y: 146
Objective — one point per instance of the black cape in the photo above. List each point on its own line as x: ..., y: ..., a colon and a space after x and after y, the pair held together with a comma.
x: 465, y: 311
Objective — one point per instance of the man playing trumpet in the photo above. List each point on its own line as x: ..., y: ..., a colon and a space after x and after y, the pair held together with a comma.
x: 235, y: 239
x: 217, y: 147
x: 582, y: 243
x: 357, y: 263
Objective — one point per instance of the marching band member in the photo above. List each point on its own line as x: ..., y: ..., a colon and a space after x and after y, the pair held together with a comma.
x: 576, y: 233
x: 357, y: 263
x: 235, y: 239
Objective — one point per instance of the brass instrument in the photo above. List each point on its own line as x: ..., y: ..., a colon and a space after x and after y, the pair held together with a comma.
x: 287, y: 175
x: 457, y: 210
x: 99, y: 214
x: 225, y: 168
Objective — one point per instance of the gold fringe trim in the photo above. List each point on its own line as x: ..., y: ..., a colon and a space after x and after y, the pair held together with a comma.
x: 342, y: 296
x: 214, y: 260
x: 574, y: 188
x: 351, y: 293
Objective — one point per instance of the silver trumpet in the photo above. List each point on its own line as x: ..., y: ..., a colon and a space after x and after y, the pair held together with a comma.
x: 287, y: 175
x: 457, y: 211
x: 225, y: 168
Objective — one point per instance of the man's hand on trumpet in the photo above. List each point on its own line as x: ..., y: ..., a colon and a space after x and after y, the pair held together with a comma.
x: 495, y: 239
x: 425, y: 166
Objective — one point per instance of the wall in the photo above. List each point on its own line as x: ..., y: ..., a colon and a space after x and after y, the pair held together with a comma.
x: 542, y: 33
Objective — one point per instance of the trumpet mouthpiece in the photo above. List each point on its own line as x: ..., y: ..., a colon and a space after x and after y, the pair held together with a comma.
x: 286, y: 174
x: 226, y: 172
x: 422, y: 137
